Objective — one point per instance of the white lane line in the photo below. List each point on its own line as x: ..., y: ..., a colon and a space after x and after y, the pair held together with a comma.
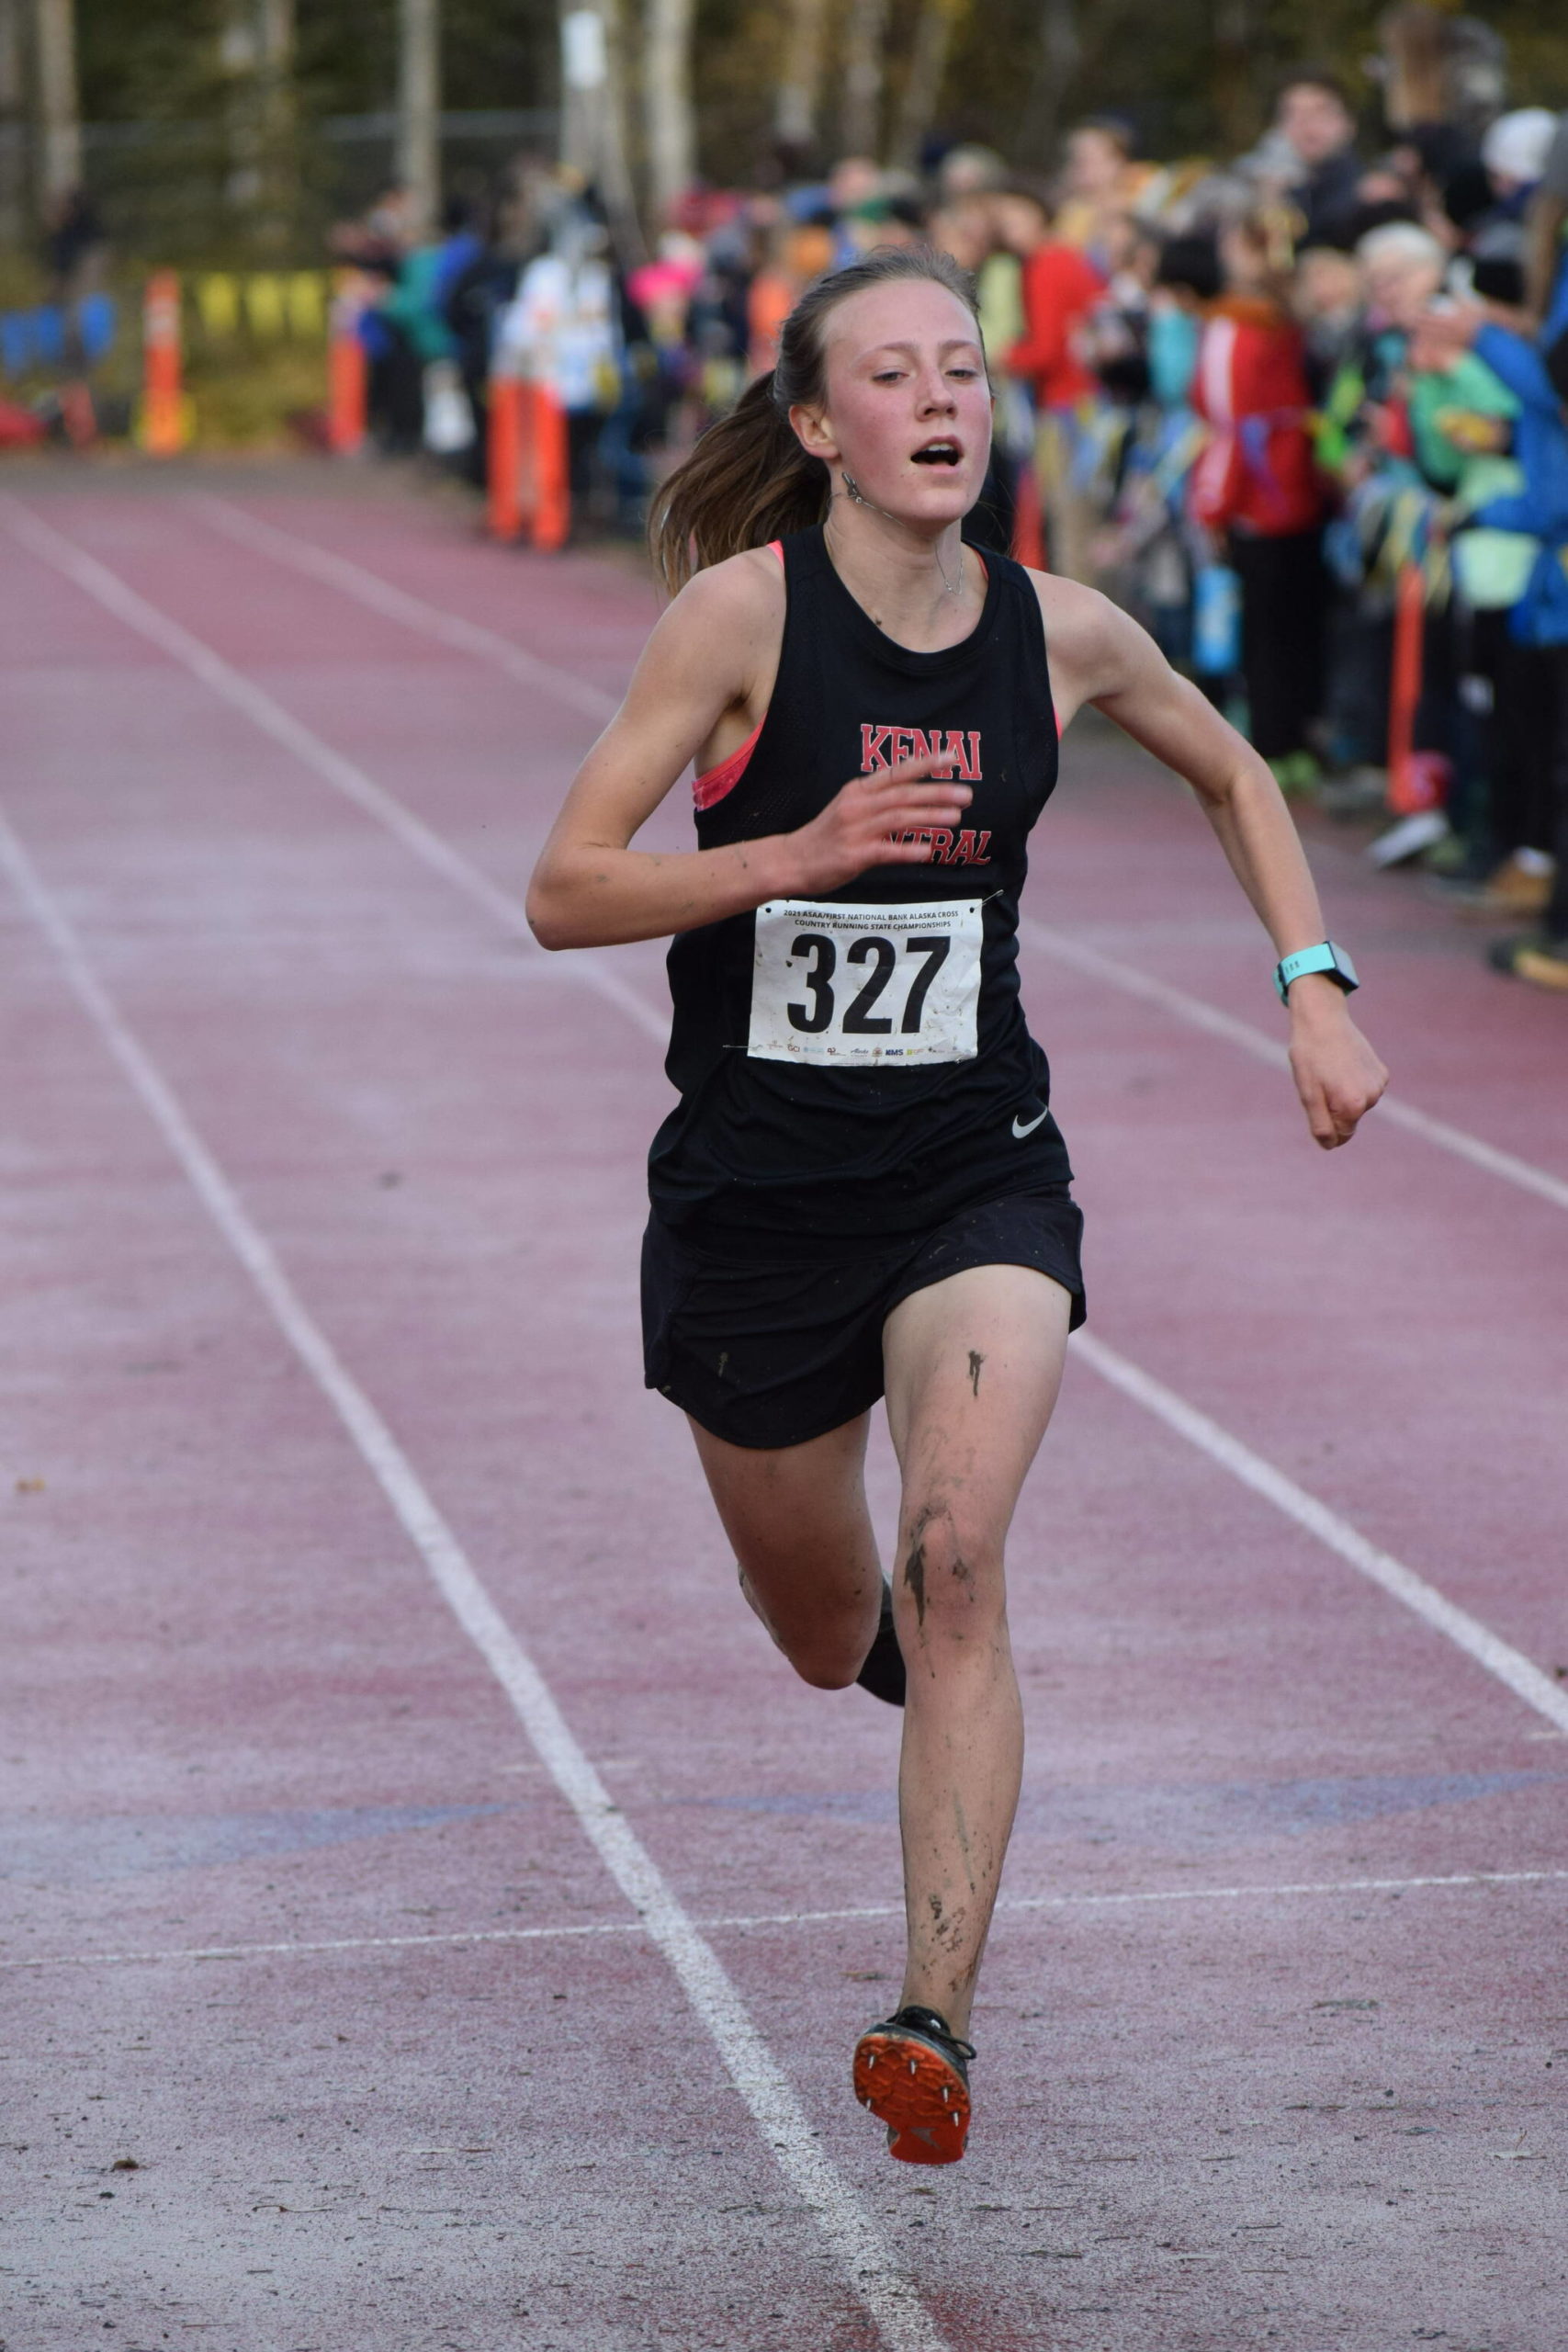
x: 242, y: 694
x: 844, y: 2222
x: 431, y: 620
x: 466, y: 1935
x: 1179, y: 1006
x: 397, y: 604
x: 1475, y: 1639
x: 1549, y: 1698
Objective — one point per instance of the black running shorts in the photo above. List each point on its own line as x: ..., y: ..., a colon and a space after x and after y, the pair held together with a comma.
x: 767, y: 1340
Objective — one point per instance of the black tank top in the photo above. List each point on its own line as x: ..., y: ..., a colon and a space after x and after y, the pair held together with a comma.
x: 858, y: 1064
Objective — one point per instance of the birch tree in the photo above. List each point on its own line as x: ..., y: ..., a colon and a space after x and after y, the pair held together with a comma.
x: 418, y: 106
x: 58, y: 149
x: 860, y: 118
x: 12, y: 123
x: 257, y: 53
x: 800, y: 79
x: 1057, y: 58
x: 934, y: 29
x: 593, y: 115
x: 669, y: 119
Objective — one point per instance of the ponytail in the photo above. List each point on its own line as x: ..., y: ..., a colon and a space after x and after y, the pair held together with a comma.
x: 747, y: 480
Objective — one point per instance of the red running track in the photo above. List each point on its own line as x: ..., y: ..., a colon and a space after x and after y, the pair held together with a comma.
x: 323, y: 1189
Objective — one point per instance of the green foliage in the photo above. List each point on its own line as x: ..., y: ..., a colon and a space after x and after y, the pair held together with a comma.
x: 244, y: 398
x: 1195, y: 75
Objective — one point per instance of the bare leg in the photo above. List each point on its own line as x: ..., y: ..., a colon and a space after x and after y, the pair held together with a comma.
x: 973, y: 1364
x: 803, y: 1538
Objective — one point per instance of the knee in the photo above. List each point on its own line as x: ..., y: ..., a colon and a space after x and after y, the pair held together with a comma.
x: 824, y: 1670
x: 826, y: 1648
x: 827, y: 1656
x: 950, y: 1581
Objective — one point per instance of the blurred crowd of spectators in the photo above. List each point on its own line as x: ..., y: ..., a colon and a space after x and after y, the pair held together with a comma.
x: 1304, y: 413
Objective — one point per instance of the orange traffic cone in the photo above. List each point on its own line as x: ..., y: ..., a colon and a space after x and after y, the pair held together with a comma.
x: 348, y: 378
x: 552, y: 480
x: 504, y: 456
x: 1416, y: 780
x: 163, y: 402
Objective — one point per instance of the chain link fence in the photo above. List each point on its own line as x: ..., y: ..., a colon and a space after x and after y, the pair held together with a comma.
x: 175, y: 191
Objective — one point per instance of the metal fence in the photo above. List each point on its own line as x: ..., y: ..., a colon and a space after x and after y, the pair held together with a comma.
x: 167, y: 189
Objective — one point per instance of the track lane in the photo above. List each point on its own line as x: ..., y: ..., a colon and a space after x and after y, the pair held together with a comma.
x: 872, y: 2275
x: 1084, y: 1669
x: 1494, y: 1434
x: 1239, y: 1025
x: 1438, y: 995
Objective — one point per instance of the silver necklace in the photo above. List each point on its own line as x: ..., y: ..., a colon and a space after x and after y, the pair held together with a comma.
x: 854, y: 490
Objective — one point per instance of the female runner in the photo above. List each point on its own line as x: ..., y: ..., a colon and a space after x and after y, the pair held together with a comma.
x: 861, y: 1191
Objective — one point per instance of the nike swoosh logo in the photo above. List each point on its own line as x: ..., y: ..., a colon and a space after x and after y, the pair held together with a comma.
x: 1026, y: 1127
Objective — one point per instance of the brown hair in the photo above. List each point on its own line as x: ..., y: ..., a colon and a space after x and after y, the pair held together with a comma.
x: 749, y: 480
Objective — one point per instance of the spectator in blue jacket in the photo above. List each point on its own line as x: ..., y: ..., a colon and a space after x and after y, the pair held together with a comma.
x: 1536, y: 374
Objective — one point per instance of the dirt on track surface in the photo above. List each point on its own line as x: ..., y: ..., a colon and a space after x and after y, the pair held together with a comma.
x: 330, y: 2022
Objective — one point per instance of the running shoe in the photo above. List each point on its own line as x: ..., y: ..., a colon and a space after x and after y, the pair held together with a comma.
x: 1359, y: 791
x: 1406, y: 838
x: 1521, y: 885
x: 913, y: 2073
x: 883, y: 1673
x: 1542, y: 962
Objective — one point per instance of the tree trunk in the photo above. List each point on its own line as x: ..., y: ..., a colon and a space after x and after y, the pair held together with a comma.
x: 418, y: 106
x: 275, y: 63
x: 669, y: 125
x: 1057, y: 62
x: 58, y: 151
x: 1231, y: 86
x: 275, y: 111
x: 257, y: 51
x: 584, y: 67
x: 934, y: 29
x: 860, y: 118
x: 594, y: 117
x: 12, y: 125
x: 800, y: 81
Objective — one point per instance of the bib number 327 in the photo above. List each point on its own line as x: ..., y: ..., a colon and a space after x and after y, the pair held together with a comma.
x: 851, y: 985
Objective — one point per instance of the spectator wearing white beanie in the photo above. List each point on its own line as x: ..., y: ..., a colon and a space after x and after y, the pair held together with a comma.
x: 1515, y: 148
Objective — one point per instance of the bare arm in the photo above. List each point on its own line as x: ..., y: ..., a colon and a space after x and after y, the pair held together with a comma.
x: 706, y: 658
x: 1100, y: 655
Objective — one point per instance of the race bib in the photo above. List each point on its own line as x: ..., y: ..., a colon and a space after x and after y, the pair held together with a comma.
x: 848, y: 987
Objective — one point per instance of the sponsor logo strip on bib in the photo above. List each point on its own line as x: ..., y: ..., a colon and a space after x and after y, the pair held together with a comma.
x: 844, y: 987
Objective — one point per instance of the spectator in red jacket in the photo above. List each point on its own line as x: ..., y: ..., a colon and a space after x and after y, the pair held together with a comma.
x: 1256, y: 487
x: 1060, y: 287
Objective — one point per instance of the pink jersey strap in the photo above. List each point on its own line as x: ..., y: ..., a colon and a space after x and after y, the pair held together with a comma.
x: 711, y: 786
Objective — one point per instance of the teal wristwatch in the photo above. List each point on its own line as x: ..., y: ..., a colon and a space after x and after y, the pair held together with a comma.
x: 1323, y: 957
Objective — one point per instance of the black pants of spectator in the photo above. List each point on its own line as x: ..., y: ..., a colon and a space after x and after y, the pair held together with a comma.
x: 583, y: 426
x: 1359, y: 642
x: 1285, y: 597
x: 472, y: 464
x: 1525, y: 733
x: 1554, y: 659
x: 396, y: 394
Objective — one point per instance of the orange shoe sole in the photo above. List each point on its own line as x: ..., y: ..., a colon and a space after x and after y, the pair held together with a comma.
x: 912, y: 2088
